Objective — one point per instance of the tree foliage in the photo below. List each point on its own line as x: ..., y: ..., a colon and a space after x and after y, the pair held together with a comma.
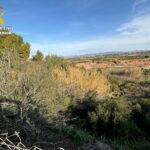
x: 55, y: 61
x: 16, y: 43
x: 38, y: 56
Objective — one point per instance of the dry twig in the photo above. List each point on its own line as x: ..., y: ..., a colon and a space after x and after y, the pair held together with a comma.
x: 13, y: 142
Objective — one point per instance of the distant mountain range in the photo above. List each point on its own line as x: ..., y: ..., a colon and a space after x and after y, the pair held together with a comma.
x: 109, y: 53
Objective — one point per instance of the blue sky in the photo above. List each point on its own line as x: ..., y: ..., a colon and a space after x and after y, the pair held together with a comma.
x: 77, y: 27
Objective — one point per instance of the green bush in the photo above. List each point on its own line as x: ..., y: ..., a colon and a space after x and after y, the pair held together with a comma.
x: 55, y: 61
x: 112, y: 110
x: 145, y: 104
x: 127, y: 131
x: 79, y: 136
x: 126, y: 145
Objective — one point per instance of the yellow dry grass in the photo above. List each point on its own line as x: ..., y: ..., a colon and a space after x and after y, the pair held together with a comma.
x: 79, y: 82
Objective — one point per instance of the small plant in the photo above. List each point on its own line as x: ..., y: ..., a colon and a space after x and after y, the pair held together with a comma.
x: 128, y: 131
x: 79, y: 136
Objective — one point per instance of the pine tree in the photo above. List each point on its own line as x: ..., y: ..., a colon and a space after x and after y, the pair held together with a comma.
x: 38, y: 57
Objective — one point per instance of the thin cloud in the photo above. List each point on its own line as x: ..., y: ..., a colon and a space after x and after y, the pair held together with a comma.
x: 137, y: 27
x: 131, y: 35
x: 140, y: 7
x: 139, y: 2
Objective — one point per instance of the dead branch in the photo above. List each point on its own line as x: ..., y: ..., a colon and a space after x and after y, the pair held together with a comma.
x: 7, y: 142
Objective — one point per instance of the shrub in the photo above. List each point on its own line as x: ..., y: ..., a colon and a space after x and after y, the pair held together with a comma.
x: 79, y: 136
x: 55, y: 61
x: 76, y: 82
x: 128, y: 131
x: 126, y: 145
x: 144, y: 116
x: 145, y: 104
x: 115, y: 110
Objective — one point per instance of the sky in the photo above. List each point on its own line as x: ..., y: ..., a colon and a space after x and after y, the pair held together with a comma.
x: 78, y: 27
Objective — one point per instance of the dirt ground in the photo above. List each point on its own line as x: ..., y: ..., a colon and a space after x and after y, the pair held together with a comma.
x: 123, y: 63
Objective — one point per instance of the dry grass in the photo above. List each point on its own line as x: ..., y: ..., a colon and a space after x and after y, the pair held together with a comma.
x: 78, y: 82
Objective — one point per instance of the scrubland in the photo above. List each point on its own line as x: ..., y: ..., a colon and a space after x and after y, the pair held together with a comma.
x: 53, y: 103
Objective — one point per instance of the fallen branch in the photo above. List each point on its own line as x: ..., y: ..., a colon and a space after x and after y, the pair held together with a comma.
x: 7, y: 142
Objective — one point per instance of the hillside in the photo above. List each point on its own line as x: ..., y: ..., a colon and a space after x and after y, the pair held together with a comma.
x: 50, y: 103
